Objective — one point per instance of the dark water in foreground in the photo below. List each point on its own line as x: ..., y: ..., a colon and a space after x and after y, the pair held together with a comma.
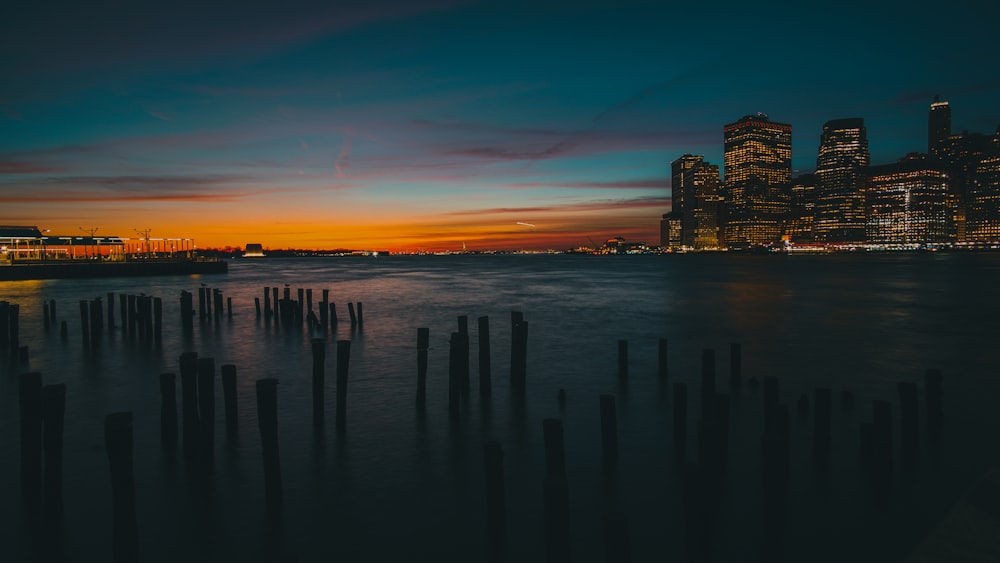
x: 400, y: 488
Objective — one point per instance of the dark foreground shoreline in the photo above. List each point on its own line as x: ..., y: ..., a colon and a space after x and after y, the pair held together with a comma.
x: 76, y: 269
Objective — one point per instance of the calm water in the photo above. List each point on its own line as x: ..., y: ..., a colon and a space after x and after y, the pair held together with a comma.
x: 400, y: 488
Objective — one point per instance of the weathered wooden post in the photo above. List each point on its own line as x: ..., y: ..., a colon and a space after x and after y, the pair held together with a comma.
x: 556, y: 491
x: 229, y: 396
x: 464, y: 377
x: 309, y: 300
x: 111, y: 311
x: 267, y: 417
x: 202, y: 307
x: 52, y: 309
x: 123, y: 305
x: 361, y: 313
x: 267, y: 303
x: 118, y: 443
x: 518, y: 354
x: 187, y: 312
x: 343, y: 362
x: 30, y: 403
x: 454, y: 376
x: 350, y: 311
x: 45, y: 317
x: 157, y: 320
x: 256, y: 305
x: 276, y: 303
x: 168, y: 410
x: 229, y: 307
x: 496, y: 502
x: 53, y: 413
x: 333, y: 316
x: 318, y: 381
x: 423, y: 341
x: 485, y: 365
x: 300, y: 312
x: 206, y: 410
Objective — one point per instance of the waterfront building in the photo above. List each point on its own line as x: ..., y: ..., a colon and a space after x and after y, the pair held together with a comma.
x: 697, y: 201
x: 906, y: 202
x: 757, y: 160
x: 983, y: 214
x: 938, y: 124
x: 802, y: 209
x: 840, y: 164
x: 665, y: 230
x: 959, y: 156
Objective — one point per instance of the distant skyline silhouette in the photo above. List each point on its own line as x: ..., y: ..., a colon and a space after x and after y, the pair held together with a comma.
x: 429, y: 125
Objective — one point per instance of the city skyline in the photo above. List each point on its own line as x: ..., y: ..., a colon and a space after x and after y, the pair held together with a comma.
x: 434, y: 125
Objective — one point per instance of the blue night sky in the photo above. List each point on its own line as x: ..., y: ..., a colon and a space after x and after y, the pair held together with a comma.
x: 425, y: 125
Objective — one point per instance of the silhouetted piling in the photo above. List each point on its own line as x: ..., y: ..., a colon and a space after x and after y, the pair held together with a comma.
x: 229, y: 307
x: 53, y: 413
x: 661, y: 359
x: 275, y: 303
x: 933, y: 391
x: 118, y: 443
x: 464, y: 377
x: 4, y: 325
x: 616, y: 541
x: 680, y: 415
x: 556, y: 491
x: 14, y: 332
x: 707, y: 383
x: 123, y: 305
x: 361, y: 313
x: 96, y: 319
x: 267, y: 303
x: 202, y: 304
x: 609, y: 431
x: 821, y: 424
x: 45, y: 317
x: 190, y: 424
x: 229, y: 397
x: 485, y: 365
x: 300, y: 312
x: 908, y: 421
x: 496, y: 502
x: 343, y: 363
x: 256, y: 305
x: 85, y: 322
x: 623, y: 362
x: 350, y: 311
x: 187, y: 312
x: 309, y: 300
x: 111, y: 311
x: 206, y: 410
x: 333, y: 316
x: 267, y: 418
x: 30, y: 403
x: 52, y: 309
x: 168, y: 410
x: 735, y: 366
x: 423, y: 341
x: 318, y: 381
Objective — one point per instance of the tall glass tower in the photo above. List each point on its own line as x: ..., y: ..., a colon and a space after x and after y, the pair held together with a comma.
x: 938, y: 124
x: 840, y: 165
x: 758, y: 174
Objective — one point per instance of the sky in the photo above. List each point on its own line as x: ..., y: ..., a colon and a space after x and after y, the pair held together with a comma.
x: 432, y: 125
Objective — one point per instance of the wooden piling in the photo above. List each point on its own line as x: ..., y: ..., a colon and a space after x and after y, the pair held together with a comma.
x: 123, y: 305
x: 343, y: 362
x: 275, y: 303
x: 267, y: 418
x: 111, y: 311
x: 30, y: 413
x: 256, y: 305
x: 556, y: 493
x: 423, y: 341
x: 485, y: 364
x: 518, y: 354
x: 333, y: 316
x: 168, y: 410
x: 229, y: 307
x: 350, y: 311
x: 52, y: 309
x: 318, y: 381
x: 229, y: 397
x: 187, y: 312
x: 206, y: 410
x: 158, y: 319
x: 118, y: 443
x: 53, y: 413
x: 309, y: 300
x: 14, y: 332
x: 45, y: 317
x: 496, y: 503
x: 455, y: 375
x: 267, y: 303
x: 4, y: 325
x: 609, y: 430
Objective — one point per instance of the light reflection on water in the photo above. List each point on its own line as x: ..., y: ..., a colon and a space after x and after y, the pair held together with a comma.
x: 397, y: 485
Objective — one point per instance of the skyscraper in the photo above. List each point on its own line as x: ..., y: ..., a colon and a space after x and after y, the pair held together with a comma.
x: 802, y: 212
x: 696, y: 201
x: 938, y: 124
x: 758, y: 174
x: 983, y: 212
x: 840, y: 164
x: 907, y: 202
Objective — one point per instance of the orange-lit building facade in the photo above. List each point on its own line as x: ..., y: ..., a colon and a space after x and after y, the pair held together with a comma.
x: 757, y: 160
